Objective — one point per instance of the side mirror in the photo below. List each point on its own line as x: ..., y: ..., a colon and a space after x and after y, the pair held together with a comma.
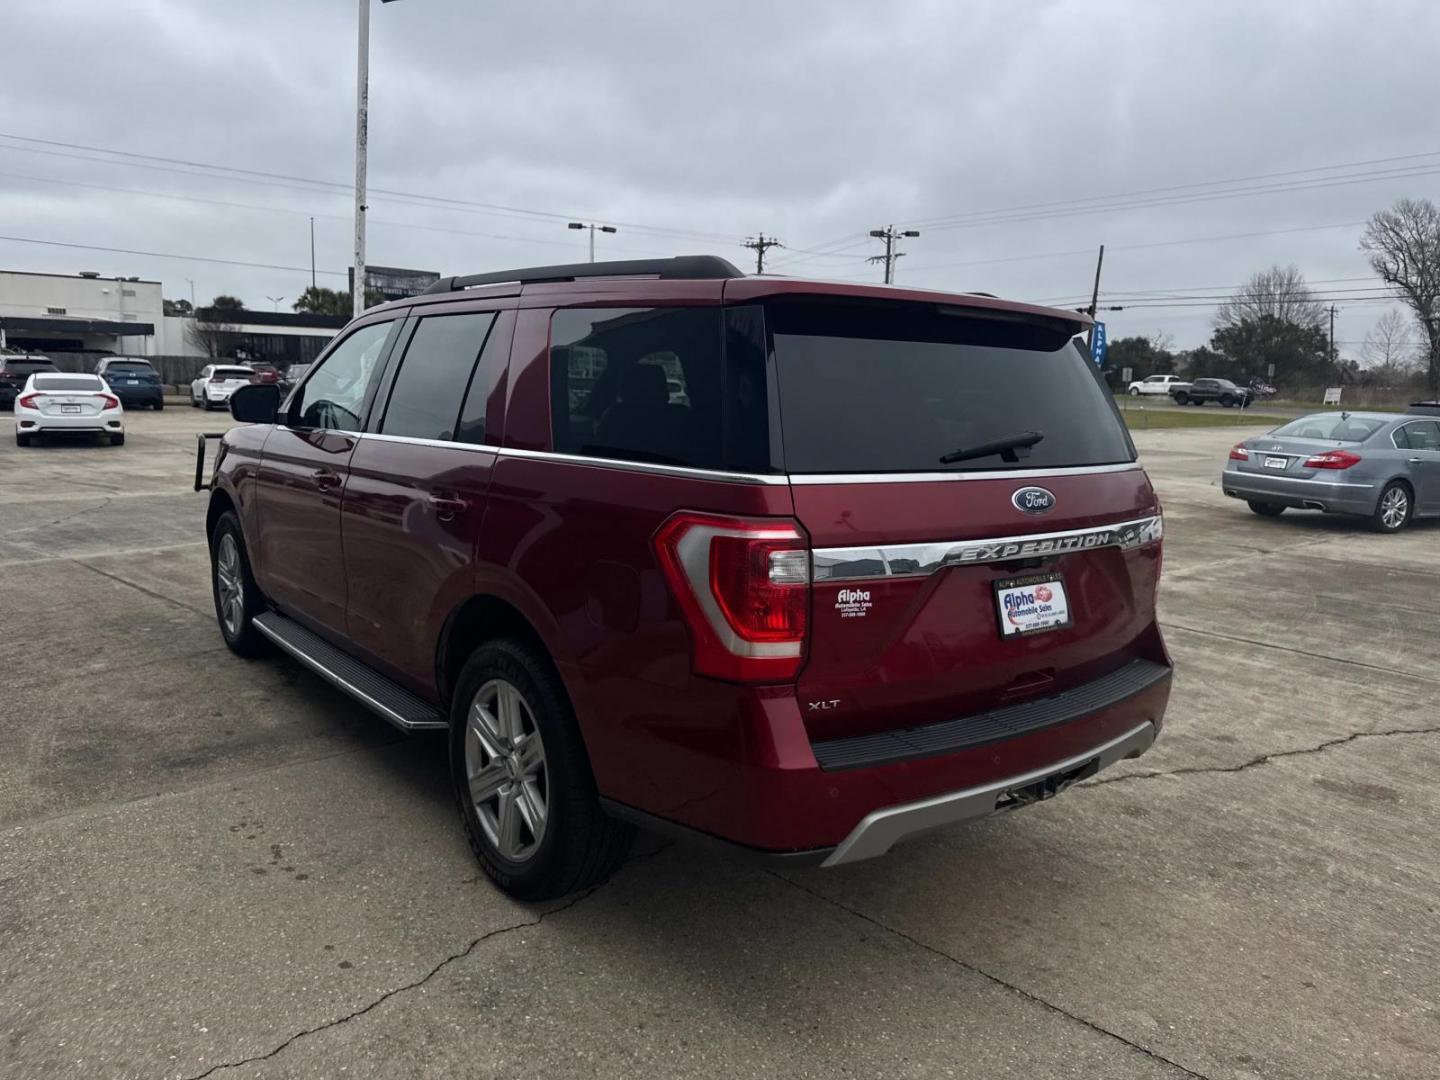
x: 258, y: 403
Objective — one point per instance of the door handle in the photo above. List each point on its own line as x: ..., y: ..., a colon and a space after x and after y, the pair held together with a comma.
x: 1417, y: 461
x: 326, y: 478
x: 447, y: 506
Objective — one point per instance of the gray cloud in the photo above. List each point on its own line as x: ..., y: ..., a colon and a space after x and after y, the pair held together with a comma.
x: 698, y: 124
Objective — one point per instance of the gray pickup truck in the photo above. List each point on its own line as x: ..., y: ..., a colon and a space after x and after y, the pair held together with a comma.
x: 1199, y: 391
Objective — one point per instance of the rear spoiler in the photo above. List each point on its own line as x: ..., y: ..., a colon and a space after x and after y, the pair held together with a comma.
x: 200, y: 437
x: 1425, y: 408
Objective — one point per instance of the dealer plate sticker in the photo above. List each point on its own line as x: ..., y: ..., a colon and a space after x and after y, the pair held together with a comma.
x: 1276, y: 462
x: 1031, y: 605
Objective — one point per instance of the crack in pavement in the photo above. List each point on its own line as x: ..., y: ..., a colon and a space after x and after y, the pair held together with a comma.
x: 995, y: 979
x: 388, y: 994
x: 47, y: 524
x: 141, y: 588
x: 1167, y: 625
x: 1263, y: 759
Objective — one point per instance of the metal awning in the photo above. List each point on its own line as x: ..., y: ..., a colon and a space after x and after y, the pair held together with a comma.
x: 15, y: 324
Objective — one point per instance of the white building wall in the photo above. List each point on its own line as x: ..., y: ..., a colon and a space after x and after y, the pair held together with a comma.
x: 60, y: 296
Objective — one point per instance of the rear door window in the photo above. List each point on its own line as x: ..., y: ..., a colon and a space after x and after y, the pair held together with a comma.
x: 434, y: 374
x: 885, y: 387
x: 660, y: 385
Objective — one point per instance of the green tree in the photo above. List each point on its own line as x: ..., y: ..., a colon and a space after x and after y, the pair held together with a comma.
x: 1301, y: 354
x: 318, y: 300
x: 1144, y: 356
x: 224, y: 302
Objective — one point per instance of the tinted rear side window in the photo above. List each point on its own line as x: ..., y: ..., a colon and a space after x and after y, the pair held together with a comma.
x: 658, y: 385
x: 434, y: 374
x: 895, y: 387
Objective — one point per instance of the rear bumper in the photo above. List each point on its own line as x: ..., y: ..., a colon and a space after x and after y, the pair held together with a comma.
x: 30, y: 423
x: 766, y: 791
x: 138, y: 395
x: 1345, y: 497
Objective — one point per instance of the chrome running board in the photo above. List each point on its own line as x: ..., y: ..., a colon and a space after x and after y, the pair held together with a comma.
x: 380, y: 695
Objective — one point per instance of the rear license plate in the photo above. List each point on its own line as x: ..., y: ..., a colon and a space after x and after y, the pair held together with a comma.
x: 1031, y: 605
x: 1276, y: 462
x: 69, y: 408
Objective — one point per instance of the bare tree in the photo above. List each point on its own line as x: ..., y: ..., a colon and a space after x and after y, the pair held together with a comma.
x: 1390, y: 342
x: 212, y: 332
x: 1280, y: 293
x: 1404, y: 248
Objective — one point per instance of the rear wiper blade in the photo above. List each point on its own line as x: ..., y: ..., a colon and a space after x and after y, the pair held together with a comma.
x: 1004, y: 447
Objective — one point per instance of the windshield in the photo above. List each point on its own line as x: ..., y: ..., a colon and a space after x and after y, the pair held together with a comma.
x: 71, y: 382
x: 1333, y: 427
x: 885, y: 387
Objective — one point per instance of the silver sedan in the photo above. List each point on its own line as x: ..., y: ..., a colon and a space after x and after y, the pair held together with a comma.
x: 1380, y: 466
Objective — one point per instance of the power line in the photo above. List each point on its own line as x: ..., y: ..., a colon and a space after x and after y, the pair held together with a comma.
x: 761, y: 244
x: 167, y: 255
x: 184, y: 166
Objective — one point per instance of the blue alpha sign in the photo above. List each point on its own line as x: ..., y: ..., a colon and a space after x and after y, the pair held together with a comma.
x: 1097, y: 345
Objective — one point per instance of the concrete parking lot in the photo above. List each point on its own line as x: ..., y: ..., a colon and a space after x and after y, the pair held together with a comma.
x: 212, y: 867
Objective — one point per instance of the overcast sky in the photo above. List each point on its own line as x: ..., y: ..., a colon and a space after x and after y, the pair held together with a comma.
x: 692, y: 125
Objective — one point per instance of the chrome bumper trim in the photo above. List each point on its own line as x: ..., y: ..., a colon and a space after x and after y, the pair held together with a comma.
x: 881, y: 829
x: 918, y: 560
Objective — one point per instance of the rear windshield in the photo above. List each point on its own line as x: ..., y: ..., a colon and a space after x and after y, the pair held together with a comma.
x: 1333, y: 427
x: 61, y: 382
x: 27, y: 366
x: 134, y: 366
x: 888, y: 387
x: 234, y: 372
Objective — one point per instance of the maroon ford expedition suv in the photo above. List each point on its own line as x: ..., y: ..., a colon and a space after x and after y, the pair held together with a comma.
x: 800, y: 566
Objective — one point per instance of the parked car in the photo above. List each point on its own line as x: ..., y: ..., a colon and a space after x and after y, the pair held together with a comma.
x: 264, y: 373
x: 65, y: 404
x: 892, y: 564
x: 1153, y: 384
x: 132, y: 380
x: 216, y: 382
x: 293, y: 374
x: 15, y: 369
x: 1260, y: 388
x: 1380, y: 466
x: 1199, y: 391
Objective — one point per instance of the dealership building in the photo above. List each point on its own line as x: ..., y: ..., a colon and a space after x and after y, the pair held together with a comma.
x: 125, y: 316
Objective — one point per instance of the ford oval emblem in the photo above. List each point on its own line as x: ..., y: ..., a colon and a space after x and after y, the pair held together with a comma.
x: 1033, y: 500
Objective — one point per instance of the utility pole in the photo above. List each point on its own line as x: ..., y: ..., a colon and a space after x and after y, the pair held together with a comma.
x: 312, y: 253
x: 592, y: 227
x: 362, y: 134
x: 1095, y: 297
x: 761, y: 244
x: 1333, y: 357
x: 890, y: 234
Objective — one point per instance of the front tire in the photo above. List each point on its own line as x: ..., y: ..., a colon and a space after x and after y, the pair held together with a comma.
x: 1265, y: 509
x: 527, y: 797
x: 1227, y: 401
x: 237, y: 598
x: 1182, y: 398
x: 1134, y: 391
x: 1394, y: 508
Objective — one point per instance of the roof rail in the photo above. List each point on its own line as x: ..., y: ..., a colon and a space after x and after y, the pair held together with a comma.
x: 678, y: 268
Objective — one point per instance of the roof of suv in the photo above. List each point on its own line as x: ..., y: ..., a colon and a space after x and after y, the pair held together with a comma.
x: 579, y: 278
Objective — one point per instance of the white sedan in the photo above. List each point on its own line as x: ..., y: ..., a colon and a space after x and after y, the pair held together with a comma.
x: 216, y: 383
x: 1154, y: 384
x: 58, y: 403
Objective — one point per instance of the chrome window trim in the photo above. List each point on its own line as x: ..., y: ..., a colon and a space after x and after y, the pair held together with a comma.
x: 681, y: 471
x: 939, y: 477
x: 921, y: 560
x: 416, y: 440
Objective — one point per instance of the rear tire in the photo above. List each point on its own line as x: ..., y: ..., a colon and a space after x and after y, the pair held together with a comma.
x: 159, y: 405
x: 237, y: 598
x: 22, y: 440
x: 1265, y: 509
x: 1227, y: 401
x: 1394, y: 508
x: 514, y: 740
x: 117, y: 440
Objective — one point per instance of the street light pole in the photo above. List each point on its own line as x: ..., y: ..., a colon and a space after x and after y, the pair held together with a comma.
x: 592, y: 227
x: 362, y: 122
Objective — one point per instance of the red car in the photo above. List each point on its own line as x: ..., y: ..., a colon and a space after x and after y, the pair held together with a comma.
x: 798, y: 566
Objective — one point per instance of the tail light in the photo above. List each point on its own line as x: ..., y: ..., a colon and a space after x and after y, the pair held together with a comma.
x: 1335, y: 459
x: 743, y: 585
x: 111, y: 402
x: 29, y: 400
x: 1239, y: 453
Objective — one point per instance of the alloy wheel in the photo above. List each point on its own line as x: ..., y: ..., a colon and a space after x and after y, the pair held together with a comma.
x: 1394, y: 507
x: 231, y: 584
x: 506, y: 771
